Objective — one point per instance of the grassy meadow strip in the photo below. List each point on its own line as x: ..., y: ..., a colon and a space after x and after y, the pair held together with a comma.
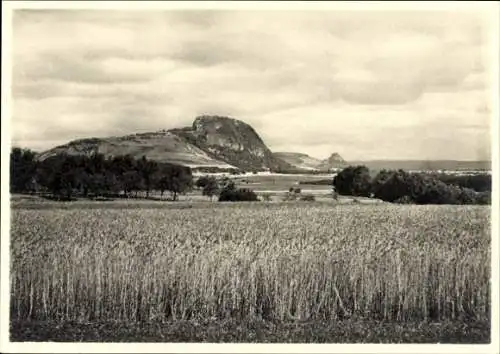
x: 300, y: 262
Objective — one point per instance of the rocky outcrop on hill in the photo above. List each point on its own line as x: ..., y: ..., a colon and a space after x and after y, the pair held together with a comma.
x: 232, y: 141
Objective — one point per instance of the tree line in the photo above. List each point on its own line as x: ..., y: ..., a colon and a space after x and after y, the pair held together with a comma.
x: 65, y: 176
x: 399, y: 186
x: 478, y: 182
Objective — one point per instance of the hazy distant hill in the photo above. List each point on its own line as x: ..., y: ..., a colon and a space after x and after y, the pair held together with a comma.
x: 422, y: 165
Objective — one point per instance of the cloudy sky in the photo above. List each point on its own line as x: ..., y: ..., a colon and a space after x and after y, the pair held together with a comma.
x: 368, y: 85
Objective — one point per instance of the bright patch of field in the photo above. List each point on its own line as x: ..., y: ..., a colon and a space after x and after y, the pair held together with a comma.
x: 278, y: 263
x: 277, y: 185
x: 278, y: 182
x: 275, y: 182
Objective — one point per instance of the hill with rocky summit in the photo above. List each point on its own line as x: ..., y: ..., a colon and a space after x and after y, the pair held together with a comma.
x: 305, y: 162
x: 334, y: 161
x: 211, y: 141
x: 232, y: 141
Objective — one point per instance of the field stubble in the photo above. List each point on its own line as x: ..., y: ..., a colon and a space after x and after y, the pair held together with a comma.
x: 283, y: 263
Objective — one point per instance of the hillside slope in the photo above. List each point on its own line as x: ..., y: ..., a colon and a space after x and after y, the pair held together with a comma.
x: 299, y: 160
x: 161, y: 146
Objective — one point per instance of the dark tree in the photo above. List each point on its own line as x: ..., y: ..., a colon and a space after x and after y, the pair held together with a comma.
x: 132, y: 182
x: 60, y: 175
x: 391, y: 185
x: 162, y: 185
x: 147, y: 170
x: 122, y: 164
x: 353, y: 180
x: 178, y: 179
x: 210, y: 188
x: 22, y: 170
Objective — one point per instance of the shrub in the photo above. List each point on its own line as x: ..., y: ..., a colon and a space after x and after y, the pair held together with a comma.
x: 238, y: 195
x: 202, y: 181
x: 307, y: 198
x: 483, y: 198
x: 289, y: 196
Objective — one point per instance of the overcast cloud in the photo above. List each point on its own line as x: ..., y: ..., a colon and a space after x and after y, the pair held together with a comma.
x: 368, y: 85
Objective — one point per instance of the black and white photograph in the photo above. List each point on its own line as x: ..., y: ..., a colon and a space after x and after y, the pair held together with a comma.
x: 213, y: 176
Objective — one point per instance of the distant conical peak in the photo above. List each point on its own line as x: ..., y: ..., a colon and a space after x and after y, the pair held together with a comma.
x: 335, y: 156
